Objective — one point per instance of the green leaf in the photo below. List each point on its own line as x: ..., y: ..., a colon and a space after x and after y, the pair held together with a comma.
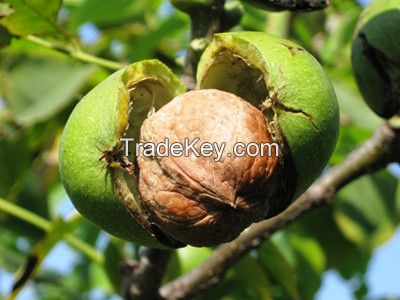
x: 32, y: 17
x: 310, y: 264
x: 353, y: 109
x: 15, y: 160
x: 10, y: 256
x: 333, y: 50
x: 277, y: 266
x: 253, y: 18
x: 365, y: 210
x: 113, y: 256
x: 30, y: 201
x: 5, y: 37
x: 340, y: 252
x: 307, y: 26
x: 104, y: 13
x: 245, y: 280
x: 99, y: 278
x: 5, y: 10
x: 251, y: 281
x: 173, y: 268
x: 38, y: 254
x: 146, y: 44
x: 350, y: 137
x: 38, y: 88
x: 191, y: 257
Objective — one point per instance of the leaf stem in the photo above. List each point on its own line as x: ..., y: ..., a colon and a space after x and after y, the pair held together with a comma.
x: 76, y: 53
x: 31, y: 218
x: 23, y: 214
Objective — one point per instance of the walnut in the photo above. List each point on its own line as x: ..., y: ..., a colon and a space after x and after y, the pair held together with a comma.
x: 200, y: 200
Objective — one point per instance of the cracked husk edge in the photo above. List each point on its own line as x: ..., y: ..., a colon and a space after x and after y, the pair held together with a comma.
x: 96, y: 124
x: 297, y: 81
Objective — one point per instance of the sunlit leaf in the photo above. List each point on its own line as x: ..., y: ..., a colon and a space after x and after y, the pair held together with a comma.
x: 340, y: 252
x: 32, y: 17
x: 310, y: 264
x: 191, y: 257
x: 365, y: 210
x: 278, y: 267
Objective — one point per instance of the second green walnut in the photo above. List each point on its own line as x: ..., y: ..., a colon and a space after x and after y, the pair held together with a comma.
x: 251, y: 87
x: 375, y: 56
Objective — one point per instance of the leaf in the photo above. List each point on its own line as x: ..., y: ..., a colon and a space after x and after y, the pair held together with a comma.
x: 10, y: 256
x: 253, y: 18
x: 365, y: 210
x: 147, y: 43
x: 37, y: 255
x: 32, y: 17
x: 5, y: 37
x: 251, y: 281
x: 340, y: 37
x: 105, y: 13
x: 310, y: 264
x: 173, y: 269
x: 350, y: 137
x: 277, y: 266
x: 306, y: 27
x: 191, y: 257
x: 340, y: 252
x: 113, y: 256
x: 15, y: 160
x: 5, y: 10
x: 353, y: 109
x: 38, y: 88
x: 245, y: 280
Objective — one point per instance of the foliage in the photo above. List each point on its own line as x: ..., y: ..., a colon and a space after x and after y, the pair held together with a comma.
x: 51, y: 57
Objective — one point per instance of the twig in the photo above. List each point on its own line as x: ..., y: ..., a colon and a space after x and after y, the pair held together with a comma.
x: 143, y: 278
x: 76, y: 53
x: 372, y: 155
x: 40, y: 222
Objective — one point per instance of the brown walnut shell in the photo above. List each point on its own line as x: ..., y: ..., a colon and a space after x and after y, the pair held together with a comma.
x: 196, y: 199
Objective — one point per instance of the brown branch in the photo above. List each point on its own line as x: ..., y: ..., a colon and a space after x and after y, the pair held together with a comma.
x: 372, y: 155
x: 142, y: 279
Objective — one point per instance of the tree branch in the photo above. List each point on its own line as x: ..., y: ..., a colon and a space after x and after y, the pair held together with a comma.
x: 143, y: 278
x: 372, y: 155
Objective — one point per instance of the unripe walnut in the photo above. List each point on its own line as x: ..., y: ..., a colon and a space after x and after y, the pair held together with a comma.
x: 252, y: 87
x: 375, y: 56
x: 199, y: 199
